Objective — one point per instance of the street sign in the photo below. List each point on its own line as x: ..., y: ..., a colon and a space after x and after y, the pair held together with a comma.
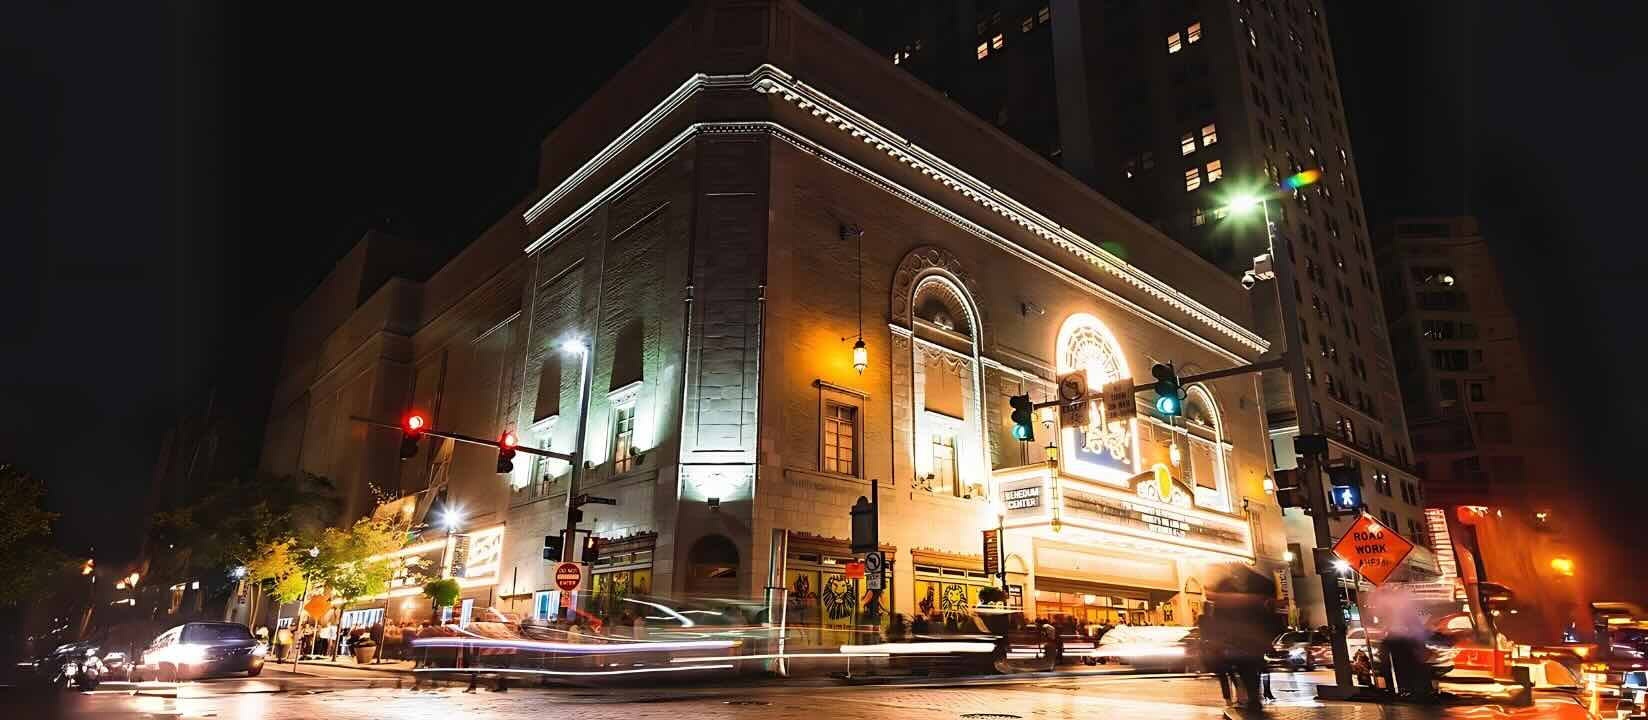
x: 1346, y: 497
x: 1118, y: 401
x: 854, y: 570
x: 992, y: 552
x: 874, y: 563
x: 1073, y: 399
x: 1074, y: 415
x: 588, y: 499
x: 1373, y: 550
x: 317, y: 606
x: 875, y: 570
x: 1073, y: 386
x: 568, y: 576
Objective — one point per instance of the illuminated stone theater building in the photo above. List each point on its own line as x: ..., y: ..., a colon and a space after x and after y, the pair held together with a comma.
x: 720, y: 224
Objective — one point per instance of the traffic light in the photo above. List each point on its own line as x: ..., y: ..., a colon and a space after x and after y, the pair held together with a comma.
x: 1289, y: 491
x: 1346, y: 497
x: 1023, y: 417
x: 592, y: 549
x: 552, y: 548
x: 1343, y: 472
x: 1169, y: 395
x: 411, y: 432
x: 506, y: 452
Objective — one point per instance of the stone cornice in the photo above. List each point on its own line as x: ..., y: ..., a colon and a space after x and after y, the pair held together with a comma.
x: 772, y: 81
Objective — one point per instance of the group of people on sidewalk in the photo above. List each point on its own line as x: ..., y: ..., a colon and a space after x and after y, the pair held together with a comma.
x: 310, y: 641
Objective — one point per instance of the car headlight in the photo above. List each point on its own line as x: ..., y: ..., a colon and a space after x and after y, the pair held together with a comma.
x: 259, y: 650
x: 91, y: 651
x: 189, y: 653
x: 70, y: 668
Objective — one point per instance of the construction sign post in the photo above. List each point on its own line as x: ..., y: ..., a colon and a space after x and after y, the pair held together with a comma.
x: 1373, y: 550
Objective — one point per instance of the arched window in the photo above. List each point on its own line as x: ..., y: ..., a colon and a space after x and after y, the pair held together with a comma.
x: 1106, y: 450
x: 1205, y: 463
x: 712, y: 564
x: 948, y: 430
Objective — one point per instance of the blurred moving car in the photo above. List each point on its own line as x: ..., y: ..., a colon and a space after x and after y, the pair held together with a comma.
x: 1152, y: 648
x: 1616, y: 665
x: 200, y: 649
x: 76, y: 665
x: 1300, y: 650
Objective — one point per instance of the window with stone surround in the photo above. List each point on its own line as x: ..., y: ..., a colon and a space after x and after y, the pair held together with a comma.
x: 625, y: 452
x: 840, y: 438
x: 944, y: 478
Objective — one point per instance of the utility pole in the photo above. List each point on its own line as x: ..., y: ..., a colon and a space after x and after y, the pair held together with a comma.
x: 1310, y: 466
x: 569, y: 551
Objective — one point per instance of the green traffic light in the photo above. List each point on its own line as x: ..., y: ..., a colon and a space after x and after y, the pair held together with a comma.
x: 1167, y: 405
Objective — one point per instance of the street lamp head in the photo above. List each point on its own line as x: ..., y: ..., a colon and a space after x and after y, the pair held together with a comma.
x: 451, y: 519
x: 314, y: 551
x: 573, y: 346
x: 239, y: 572
x: 1245, y: 203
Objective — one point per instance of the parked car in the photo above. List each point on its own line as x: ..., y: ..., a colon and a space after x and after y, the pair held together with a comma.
x: 76, y: 665
x: 1300, y: 650
x: 200, y: 649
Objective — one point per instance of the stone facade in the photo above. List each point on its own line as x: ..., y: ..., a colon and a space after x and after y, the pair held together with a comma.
x: 718, y: 233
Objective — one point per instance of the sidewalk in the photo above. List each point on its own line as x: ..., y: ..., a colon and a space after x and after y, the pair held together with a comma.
x: 347, y: 668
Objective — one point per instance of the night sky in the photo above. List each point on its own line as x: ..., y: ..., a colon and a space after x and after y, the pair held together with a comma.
x: 176, y: 175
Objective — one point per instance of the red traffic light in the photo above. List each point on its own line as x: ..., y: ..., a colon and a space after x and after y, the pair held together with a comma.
x: 508, y: 440
x: 415, y: 422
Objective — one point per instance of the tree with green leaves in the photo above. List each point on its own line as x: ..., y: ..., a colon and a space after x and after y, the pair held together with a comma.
x: 27, y: 563
x: 442, y: 593
x: 237, y: 522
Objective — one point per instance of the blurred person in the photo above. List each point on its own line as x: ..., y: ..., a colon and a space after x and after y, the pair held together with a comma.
x: 1212, y: 652
x: 1406, y: 632
x: 325, y: 638
x: 1241, y: 627
x: 283, y: 642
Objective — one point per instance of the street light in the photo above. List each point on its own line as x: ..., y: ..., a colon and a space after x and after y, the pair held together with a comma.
x: 1278, y: 267
x: 451, y: 519
x: 584, y: 353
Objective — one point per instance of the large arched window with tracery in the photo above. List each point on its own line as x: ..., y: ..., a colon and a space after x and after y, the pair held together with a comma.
x: 948, y: 443
x: 1204, y: 460
x: 1104, y: 450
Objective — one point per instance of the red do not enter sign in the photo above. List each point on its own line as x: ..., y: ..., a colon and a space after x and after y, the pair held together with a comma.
x: 568, y: 576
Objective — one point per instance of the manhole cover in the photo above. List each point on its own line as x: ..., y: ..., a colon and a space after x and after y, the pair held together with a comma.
x: 989, y: 716
x: 746, y: 702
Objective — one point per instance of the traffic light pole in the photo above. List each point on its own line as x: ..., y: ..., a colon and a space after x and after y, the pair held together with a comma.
x: 460, y: 437
x: 568, y: 551
x: 1310, y: 469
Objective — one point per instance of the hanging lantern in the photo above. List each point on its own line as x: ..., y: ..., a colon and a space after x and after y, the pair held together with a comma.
x: 1052, y: 450
x: 861, y: 356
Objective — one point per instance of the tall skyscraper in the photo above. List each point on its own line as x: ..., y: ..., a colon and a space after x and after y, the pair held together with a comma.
x: 1482, y: 436
x: 1479, y: 429
x: 1171, y: 109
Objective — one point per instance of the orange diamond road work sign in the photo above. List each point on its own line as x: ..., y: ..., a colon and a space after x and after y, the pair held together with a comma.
x: 317, y: 606
x: 1373, y: 550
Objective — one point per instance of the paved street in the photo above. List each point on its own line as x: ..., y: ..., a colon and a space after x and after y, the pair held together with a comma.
x: 278, y: 695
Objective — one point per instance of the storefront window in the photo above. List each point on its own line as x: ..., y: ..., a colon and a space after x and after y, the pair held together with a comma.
x: 826, y: 609
x: 609, y: 589
x: 949, y: 595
